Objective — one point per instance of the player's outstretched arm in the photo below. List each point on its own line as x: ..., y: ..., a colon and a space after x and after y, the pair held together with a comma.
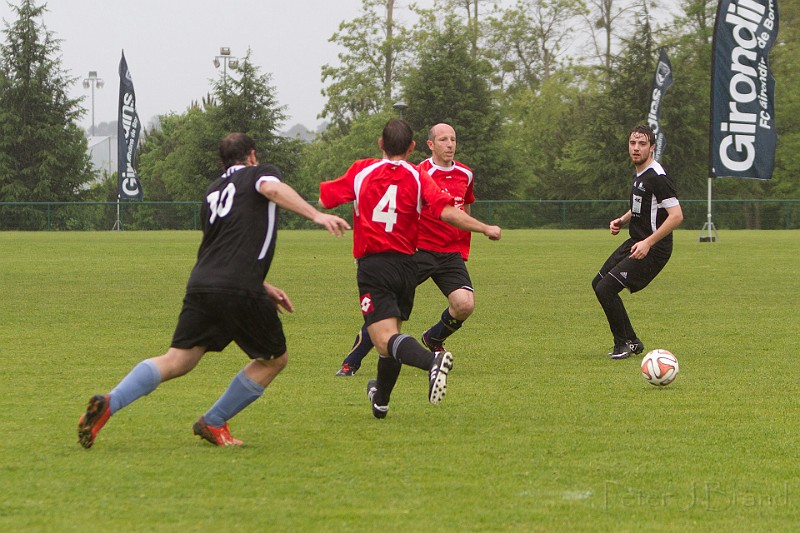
x: 287, y: 198
x: 459, y: 219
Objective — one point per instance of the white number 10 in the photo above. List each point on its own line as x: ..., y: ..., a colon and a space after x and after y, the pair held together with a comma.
x: 386, y: 210
x: 221, y: 203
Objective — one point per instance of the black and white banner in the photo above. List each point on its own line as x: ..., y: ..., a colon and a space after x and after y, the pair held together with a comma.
x: 743, y: 135
x: 128, y: 130
x: 661, y: 82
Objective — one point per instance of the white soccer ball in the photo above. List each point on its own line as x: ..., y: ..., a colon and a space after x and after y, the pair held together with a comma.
x: 659, y: 367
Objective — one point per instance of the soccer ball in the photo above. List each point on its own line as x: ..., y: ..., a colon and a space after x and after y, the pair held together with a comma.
x: 659, y: 367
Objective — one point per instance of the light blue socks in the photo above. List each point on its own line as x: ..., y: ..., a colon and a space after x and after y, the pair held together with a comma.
x: 240, y: 393
x: 141, y: 381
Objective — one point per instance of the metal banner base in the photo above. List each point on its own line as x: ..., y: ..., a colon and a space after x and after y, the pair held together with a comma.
x: 117, y: 224
x: 708, y: 227
x: 710, y: 233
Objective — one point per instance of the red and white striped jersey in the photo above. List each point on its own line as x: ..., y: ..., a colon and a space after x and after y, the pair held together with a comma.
x: 388, y: 198
x: 438, y: 236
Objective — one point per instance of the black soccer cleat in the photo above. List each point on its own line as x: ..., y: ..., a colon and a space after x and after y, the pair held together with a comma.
x: 438, y: 376
x: 378, y: 411
x: 635, y: 346
x: 620, y: 351
x: 626, y: 349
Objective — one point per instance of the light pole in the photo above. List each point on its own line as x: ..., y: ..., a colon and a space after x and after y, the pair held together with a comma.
x: 400, y: 107
x: 93, y: 81
x: 226, y: 60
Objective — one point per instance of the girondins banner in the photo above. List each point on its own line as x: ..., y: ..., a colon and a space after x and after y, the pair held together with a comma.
x: 128, y: 130
x: 743, y: 135
x: 661, y: 82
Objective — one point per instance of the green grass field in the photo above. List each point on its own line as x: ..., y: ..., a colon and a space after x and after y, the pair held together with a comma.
x: 540, y: 431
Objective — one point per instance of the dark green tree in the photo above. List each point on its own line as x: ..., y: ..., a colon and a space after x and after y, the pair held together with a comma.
x: 331, y: 156
x: 250, y: 105
x: 784, y: 64
x: 43, y: 153
x: 449, y: 84
x: 540, y: 125
x: 597, y: 157
x: 178, y: 160
x: 685, y: 108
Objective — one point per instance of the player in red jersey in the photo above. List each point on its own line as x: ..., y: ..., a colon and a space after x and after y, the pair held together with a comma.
x: 441, y: 249
x: 388, y: 196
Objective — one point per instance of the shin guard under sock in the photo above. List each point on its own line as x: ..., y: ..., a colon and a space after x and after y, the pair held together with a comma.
x: 140, y: 381
x: 408, y: 351
x: 388, y: 372
x: 240, y: 393
x: 361, y: 347
x: 446, y: 326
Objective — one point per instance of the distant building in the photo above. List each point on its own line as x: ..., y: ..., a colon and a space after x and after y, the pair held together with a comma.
x: 103, y: 154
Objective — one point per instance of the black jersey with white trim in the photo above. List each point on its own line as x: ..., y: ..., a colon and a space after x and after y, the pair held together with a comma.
x: 239, y: 230
x: 652, y: 193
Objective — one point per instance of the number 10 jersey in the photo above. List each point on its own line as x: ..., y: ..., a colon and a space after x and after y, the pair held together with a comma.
x: 239, y: 230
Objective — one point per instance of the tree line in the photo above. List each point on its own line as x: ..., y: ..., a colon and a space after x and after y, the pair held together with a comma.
x: 542, y: 94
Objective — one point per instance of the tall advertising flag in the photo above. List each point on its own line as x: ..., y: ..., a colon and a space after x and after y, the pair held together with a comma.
x: 661, y: 82
x: 128, y: 130
x: 743, y: 135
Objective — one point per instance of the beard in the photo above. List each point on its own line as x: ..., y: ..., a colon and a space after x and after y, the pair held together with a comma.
x: 639, y: 159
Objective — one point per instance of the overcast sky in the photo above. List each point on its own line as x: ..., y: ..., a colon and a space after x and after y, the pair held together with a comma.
x: 170, y: 46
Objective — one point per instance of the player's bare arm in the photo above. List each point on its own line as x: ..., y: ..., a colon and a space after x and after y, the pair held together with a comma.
x: 459, y: 219
x: 287, y: 198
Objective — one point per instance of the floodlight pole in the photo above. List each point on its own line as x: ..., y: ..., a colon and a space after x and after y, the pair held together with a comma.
x: 92, y: 81
x: 225, y: 59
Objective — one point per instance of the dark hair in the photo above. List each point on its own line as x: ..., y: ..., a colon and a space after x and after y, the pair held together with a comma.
x: 644, y: 129
x: 235, y: 148
x: 397, y: 137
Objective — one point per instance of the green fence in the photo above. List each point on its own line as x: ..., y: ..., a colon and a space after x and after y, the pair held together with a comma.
x: 567, y: 214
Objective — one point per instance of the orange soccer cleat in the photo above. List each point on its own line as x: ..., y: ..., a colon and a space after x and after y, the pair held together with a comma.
x: 218, y: 436
x: 92, y: 421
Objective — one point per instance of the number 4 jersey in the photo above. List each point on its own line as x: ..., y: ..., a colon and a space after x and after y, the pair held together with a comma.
x: 387, y: 197
x: 239, y: 230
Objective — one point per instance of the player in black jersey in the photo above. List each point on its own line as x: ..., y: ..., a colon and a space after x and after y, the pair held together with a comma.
x: 227, y: 298
x: 654, y: 213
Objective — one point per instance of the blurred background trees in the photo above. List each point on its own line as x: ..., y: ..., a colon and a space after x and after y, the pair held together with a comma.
x: 42, y: 150
x: 542, y: 94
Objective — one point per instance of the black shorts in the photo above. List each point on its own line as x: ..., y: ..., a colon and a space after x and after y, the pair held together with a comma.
x: 447, y: 270
x: 386, y: 285
x: 214, y: 319
x: 635, y: 274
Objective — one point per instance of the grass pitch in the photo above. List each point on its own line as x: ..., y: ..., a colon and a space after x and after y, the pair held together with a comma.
x: 540, y: 431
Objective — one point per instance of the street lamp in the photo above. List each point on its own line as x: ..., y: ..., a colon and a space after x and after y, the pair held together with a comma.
x: 226, y: 60
x: 400, y: 107
x: 93, y: 81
